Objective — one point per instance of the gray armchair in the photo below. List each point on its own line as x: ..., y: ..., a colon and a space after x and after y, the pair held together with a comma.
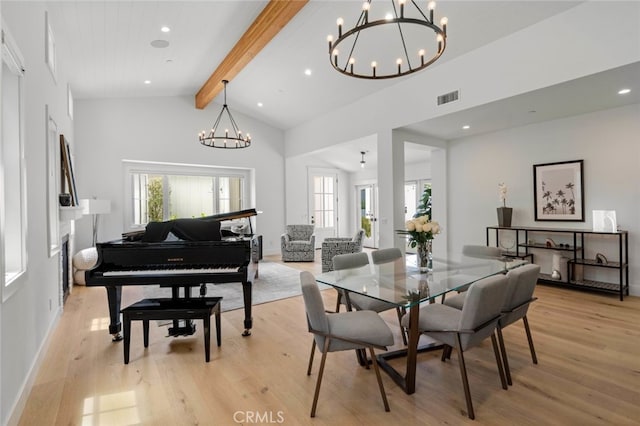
x: 340, y: 245
x: 298, y: 244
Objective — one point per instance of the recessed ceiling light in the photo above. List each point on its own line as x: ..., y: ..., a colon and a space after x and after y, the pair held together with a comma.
x: 466, y: 126
x: 307, y: 72
x: 624, y: 91
x: 160, y: 44
x: 165, y: 29
x: 147, y: 82
x: 260, y: 104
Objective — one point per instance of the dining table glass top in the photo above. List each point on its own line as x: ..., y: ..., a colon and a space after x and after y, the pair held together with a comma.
x: 400, y: 282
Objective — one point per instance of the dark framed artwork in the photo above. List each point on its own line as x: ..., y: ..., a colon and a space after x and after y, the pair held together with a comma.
x: 558, y: 191
x: 68, y: 179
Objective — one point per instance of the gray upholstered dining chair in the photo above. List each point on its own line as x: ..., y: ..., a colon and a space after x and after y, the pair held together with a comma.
x: 481, y: 252
x: 340, y: 332
x: 522, y: 284
x: 359, y: 301
x: 466, y: 328
x: 386, y: 255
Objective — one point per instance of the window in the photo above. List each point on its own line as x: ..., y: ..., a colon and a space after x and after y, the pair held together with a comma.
x: 161, y: 192
x: 12, y: 168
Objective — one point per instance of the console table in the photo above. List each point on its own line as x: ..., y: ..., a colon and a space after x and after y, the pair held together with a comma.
x: 525, y: 246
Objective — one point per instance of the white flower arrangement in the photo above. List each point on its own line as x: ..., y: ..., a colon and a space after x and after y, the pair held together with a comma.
x: 502, y: 193
x: 421, y: 229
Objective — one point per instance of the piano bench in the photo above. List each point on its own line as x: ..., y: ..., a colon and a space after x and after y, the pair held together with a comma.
x: 172, y: 309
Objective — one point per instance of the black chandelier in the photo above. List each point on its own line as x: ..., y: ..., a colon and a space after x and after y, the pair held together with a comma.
x: 362, y: 162
x: 230, y: 138
x: 385, y: 47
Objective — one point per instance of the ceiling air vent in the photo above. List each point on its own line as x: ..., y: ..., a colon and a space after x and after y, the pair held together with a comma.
x: 448, y: 97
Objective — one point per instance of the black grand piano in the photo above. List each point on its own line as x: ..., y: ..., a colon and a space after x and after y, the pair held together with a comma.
x: 195, y: 253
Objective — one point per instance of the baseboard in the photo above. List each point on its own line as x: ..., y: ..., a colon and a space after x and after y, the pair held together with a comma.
x: 18, y: 407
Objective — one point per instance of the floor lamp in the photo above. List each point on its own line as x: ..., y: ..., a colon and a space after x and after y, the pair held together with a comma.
x: 95, y: 207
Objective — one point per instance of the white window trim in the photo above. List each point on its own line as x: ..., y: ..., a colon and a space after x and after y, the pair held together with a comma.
x: 15, y: 62
x: 135, y: 166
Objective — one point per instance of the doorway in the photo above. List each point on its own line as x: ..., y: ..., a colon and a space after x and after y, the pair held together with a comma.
x: 323, y: 204
x: 367, y: 208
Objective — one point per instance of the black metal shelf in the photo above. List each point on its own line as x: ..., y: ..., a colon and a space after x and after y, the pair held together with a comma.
x: 576, y: 250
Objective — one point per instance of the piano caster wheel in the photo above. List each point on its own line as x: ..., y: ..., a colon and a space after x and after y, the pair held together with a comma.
x: 246, y: 332
x: 116, y: 337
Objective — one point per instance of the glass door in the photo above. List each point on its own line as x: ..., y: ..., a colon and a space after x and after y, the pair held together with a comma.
x: 368, y: 213
x: 323, y: 205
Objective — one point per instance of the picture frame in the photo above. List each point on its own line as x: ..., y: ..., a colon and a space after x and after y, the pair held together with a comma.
x: 69, y: 180
x: 558, y: 191
x: 49, y: 47
x: 53, y: 181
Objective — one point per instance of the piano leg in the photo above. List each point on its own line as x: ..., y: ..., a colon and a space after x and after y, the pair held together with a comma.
x: 114, y: 296
x: 248, y: 321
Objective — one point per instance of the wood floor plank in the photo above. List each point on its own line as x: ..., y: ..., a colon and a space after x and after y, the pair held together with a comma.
x: 588, y: 346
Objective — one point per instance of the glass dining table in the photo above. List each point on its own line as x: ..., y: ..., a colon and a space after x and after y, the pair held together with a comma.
x: 402, y: 284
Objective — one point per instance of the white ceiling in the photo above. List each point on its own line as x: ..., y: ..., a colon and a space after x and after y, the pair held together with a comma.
x: 105, y: 48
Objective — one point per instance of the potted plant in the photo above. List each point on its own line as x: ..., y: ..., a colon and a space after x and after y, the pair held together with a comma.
x: 504, y: 212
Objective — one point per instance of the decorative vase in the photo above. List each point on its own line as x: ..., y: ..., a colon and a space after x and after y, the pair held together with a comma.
x: 504, y: 217
x: 425, y: 257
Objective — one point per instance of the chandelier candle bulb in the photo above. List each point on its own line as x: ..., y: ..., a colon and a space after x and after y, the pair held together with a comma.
x: 340, y: 21
x: 330, y: 40
x: 399, y: 62
x: 402, y: 2
x: 421, y: 54
x: 443, y: 22
x: 432, y: 6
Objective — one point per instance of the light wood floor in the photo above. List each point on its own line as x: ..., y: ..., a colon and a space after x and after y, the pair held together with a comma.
x: 588, y: 347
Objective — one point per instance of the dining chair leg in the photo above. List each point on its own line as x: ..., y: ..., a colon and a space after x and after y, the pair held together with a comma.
x: 402, y: 330
x: 313, y: 350
x: 534, y: 358
x: 465, y: 379
x: 503, y: 351
x: 319, y: 381
x: 338, y: 300
x: 496, y: 352
x: 380, y: 385
x: 446, y: 353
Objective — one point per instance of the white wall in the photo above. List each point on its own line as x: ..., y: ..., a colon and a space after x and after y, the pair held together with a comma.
x: 29, y: 315
x: 607, y: 141
x: 164, y: 129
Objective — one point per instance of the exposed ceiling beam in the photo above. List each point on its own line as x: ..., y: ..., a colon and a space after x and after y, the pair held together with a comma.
x: 275, y: 15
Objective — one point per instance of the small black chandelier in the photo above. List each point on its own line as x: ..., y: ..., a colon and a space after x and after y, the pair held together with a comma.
x: 411, y: 23
x: 231, y: 138
x: 362, y: 162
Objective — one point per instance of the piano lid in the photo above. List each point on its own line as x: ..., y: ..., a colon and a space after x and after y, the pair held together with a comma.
x: 240, y: 214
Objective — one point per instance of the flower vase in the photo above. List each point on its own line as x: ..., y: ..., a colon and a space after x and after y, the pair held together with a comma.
x: 504, y: 217
x: 425, y: 257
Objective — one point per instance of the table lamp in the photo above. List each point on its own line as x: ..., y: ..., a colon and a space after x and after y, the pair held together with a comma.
x: 95, y: 207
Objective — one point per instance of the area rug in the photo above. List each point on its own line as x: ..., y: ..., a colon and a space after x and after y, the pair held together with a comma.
x: 275, y: 281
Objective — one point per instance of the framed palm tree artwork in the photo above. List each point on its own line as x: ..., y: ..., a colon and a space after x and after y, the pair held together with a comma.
x: 558, y: 191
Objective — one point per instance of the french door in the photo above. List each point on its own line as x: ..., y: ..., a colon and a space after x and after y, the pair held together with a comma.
x: 367, y: 208
x: 323, y: 204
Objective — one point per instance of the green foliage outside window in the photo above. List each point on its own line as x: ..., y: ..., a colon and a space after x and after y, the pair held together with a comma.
x: 155, y: 200
x: 365, y: 222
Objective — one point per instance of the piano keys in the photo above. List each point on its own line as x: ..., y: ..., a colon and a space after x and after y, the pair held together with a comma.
x: 180, y: 263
